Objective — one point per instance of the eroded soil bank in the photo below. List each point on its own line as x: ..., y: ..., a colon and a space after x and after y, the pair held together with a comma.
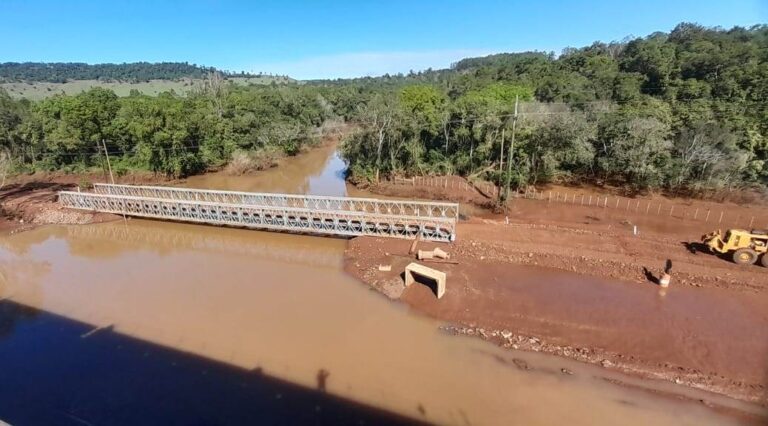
x: 576, y: 282
x: 30, y: 201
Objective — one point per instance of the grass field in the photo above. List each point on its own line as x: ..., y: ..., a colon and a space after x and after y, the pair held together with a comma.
x: 40, y: 90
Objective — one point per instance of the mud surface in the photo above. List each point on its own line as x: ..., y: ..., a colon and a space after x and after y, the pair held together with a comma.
x: 577, y: 283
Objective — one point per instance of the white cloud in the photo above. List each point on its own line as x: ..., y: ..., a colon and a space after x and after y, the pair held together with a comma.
x: 362, y: 64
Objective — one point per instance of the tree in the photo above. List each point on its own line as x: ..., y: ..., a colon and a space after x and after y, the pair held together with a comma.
x: 5, y: 166
x: 560, y: 146
x: 706, y: 156
x: 638, y: 151
x: 377, y: 117
x: 215, y: 86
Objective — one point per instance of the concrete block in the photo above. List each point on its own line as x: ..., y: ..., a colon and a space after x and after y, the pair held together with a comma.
x: 440, y: 254
x: 425, y: 254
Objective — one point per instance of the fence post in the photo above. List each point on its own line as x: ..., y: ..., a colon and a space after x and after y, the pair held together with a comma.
x: 617, y: 202
x: 721, y: 217
x: 648, y: 207
x: 751, y: 221
x: 670, y: 209
x: 590, y: 199
x: 696, y: 214
x: 708, y: 212
x: 659, y: 210
x: 637, y: 207
x: 549, y: 200
x: 606, y: 202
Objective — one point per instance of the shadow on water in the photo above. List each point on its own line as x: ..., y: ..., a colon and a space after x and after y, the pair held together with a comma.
x: 59, y: 371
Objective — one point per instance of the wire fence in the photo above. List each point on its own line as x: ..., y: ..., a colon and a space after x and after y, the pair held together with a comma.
x: 450, y: 182
x: 717, y: 214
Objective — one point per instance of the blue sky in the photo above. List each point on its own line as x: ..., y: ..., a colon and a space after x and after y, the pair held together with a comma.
x: 328, y: 39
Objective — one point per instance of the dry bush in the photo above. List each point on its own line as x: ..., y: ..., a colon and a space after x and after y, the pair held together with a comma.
x: 743, y: 196
x: 244, y: 162
x: 330, y: 127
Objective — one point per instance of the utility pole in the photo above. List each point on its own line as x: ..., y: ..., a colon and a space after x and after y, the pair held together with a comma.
x: 501, y: 161
x: 111, y: 176
x: 109, y: 166
x: 511, y: 148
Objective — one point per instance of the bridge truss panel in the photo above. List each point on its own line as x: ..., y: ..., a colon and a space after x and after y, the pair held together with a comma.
x: 348, y: 223
x: 312, y: 202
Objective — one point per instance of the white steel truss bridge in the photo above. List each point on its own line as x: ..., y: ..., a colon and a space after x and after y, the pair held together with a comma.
x: 310, y: 214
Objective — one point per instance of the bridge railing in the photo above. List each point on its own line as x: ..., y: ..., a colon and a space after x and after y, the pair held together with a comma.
x: 313, y: 202
x: 317, y: 221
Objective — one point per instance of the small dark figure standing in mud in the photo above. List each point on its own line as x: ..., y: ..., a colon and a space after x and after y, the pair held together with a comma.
x: 322, y: 376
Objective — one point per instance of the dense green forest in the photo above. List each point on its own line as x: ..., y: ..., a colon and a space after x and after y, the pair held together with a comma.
x: 679, y: 111
x: 682, y: 111
x: 61, y: 72
x: 170, y: 134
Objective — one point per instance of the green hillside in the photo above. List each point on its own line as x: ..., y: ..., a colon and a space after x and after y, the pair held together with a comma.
x: 40, y: 90
x: 38, y: 80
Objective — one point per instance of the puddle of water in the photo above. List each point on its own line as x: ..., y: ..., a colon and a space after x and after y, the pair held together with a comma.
x: 281, y: 303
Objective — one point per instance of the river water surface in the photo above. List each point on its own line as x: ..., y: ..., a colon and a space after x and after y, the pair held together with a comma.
x: 245, y: 302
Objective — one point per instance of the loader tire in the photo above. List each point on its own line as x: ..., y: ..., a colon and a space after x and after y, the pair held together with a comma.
x: 764, y: 260
x: 744, y: 256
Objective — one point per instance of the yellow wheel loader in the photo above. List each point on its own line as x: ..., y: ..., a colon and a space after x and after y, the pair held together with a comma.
x: 746, y: 246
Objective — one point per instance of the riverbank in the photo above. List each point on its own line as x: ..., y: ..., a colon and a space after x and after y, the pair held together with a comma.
x: 576, y: 282
x: 568, y: 282
x: 27, y: 201
x: 31, y: 200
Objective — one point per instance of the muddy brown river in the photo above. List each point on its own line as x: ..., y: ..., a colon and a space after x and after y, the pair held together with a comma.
x: 154, y: 319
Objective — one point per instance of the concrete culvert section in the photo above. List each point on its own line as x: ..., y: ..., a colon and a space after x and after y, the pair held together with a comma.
x: 425, y: 275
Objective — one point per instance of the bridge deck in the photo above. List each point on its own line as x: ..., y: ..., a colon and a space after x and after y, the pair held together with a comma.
x: 277, y: 212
